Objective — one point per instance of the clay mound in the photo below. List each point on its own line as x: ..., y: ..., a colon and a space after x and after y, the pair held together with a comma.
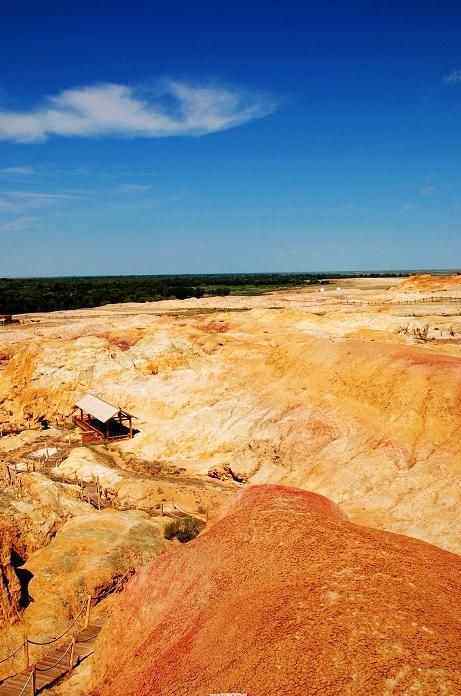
x: 427, y: 282
x: 283, y: 595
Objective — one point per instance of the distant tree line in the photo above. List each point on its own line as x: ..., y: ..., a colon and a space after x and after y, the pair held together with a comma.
x: 25, y: 295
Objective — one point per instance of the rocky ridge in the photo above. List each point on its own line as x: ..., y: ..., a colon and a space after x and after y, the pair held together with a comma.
x: 283, y: 595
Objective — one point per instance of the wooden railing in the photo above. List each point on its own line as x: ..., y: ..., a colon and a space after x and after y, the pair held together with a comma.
x: 33, y: 669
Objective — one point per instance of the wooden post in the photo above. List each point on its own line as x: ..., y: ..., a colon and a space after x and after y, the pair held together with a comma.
x: 72, y: 655
x: 87, y: 613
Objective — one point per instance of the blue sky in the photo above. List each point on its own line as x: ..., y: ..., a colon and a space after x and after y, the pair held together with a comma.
x: 212, y: 137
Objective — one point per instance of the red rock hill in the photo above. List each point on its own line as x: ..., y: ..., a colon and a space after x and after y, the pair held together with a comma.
x: 284, y: 596
x: 427, y: 282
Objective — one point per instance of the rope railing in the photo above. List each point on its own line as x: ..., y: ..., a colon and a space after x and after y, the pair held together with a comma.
x: 8, y: 657
x: 58, y: 661
x: 28, y: 641
x: 53, y: 640
x: 28, y: 680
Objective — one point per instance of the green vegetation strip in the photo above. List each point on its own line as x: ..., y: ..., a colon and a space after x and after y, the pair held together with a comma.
x: 25, y: 295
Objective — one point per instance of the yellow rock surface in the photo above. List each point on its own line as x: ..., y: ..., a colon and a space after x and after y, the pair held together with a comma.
x: 329, y: 391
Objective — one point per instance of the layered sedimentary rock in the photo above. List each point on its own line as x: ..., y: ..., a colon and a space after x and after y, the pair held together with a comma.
x: 283, y: 595
x: 334, y: 392
x: 351, y: 390
x: 369, y: 419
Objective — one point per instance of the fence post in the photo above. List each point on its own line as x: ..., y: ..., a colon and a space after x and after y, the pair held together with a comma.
x: 26, y: 652
x: 72, y: 654
x: 87, y: 613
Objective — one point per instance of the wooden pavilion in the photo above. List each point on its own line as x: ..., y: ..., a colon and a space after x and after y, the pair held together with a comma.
x: 101, y: 419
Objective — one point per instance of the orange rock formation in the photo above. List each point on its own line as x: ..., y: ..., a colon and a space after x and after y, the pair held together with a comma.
x: 10, y: 589
x: 425, y: 282
x: 330, y: 392
x: 283, y: 595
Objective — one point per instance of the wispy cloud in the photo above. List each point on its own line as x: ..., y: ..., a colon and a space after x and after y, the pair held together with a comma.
x: 177, y: 108
x: 453, y: 77
x: 19, y: 224
x: 427, y: 190
x: 134, y: 188
x: 17, y: 171
x: 13, y: 201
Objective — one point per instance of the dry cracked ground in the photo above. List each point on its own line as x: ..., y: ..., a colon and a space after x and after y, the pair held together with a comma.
x: 351, y: 390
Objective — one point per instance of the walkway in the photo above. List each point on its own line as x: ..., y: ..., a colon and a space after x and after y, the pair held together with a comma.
x: 53, y: 667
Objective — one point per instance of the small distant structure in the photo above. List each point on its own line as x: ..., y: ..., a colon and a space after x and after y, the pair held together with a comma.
x: 6, y: 319
x: 101, y: 420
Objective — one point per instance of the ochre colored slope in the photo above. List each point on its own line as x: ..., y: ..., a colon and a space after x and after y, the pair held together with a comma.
x: 430, y: 282
x: 373, y: 425
x: 282, y: 595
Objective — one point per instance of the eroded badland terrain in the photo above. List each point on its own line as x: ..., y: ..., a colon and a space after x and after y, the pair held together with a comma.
x: 350, y: 390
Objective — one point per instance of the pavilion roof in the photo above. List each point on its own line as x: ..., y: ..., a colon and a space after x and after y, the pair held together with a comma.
x: 98, y: 408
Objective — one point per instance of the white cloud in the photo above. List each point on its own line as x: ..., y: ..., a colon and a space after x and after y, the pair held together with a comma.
x: 453, y: 77
x: 16, y: 171
x: 112, y: 109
